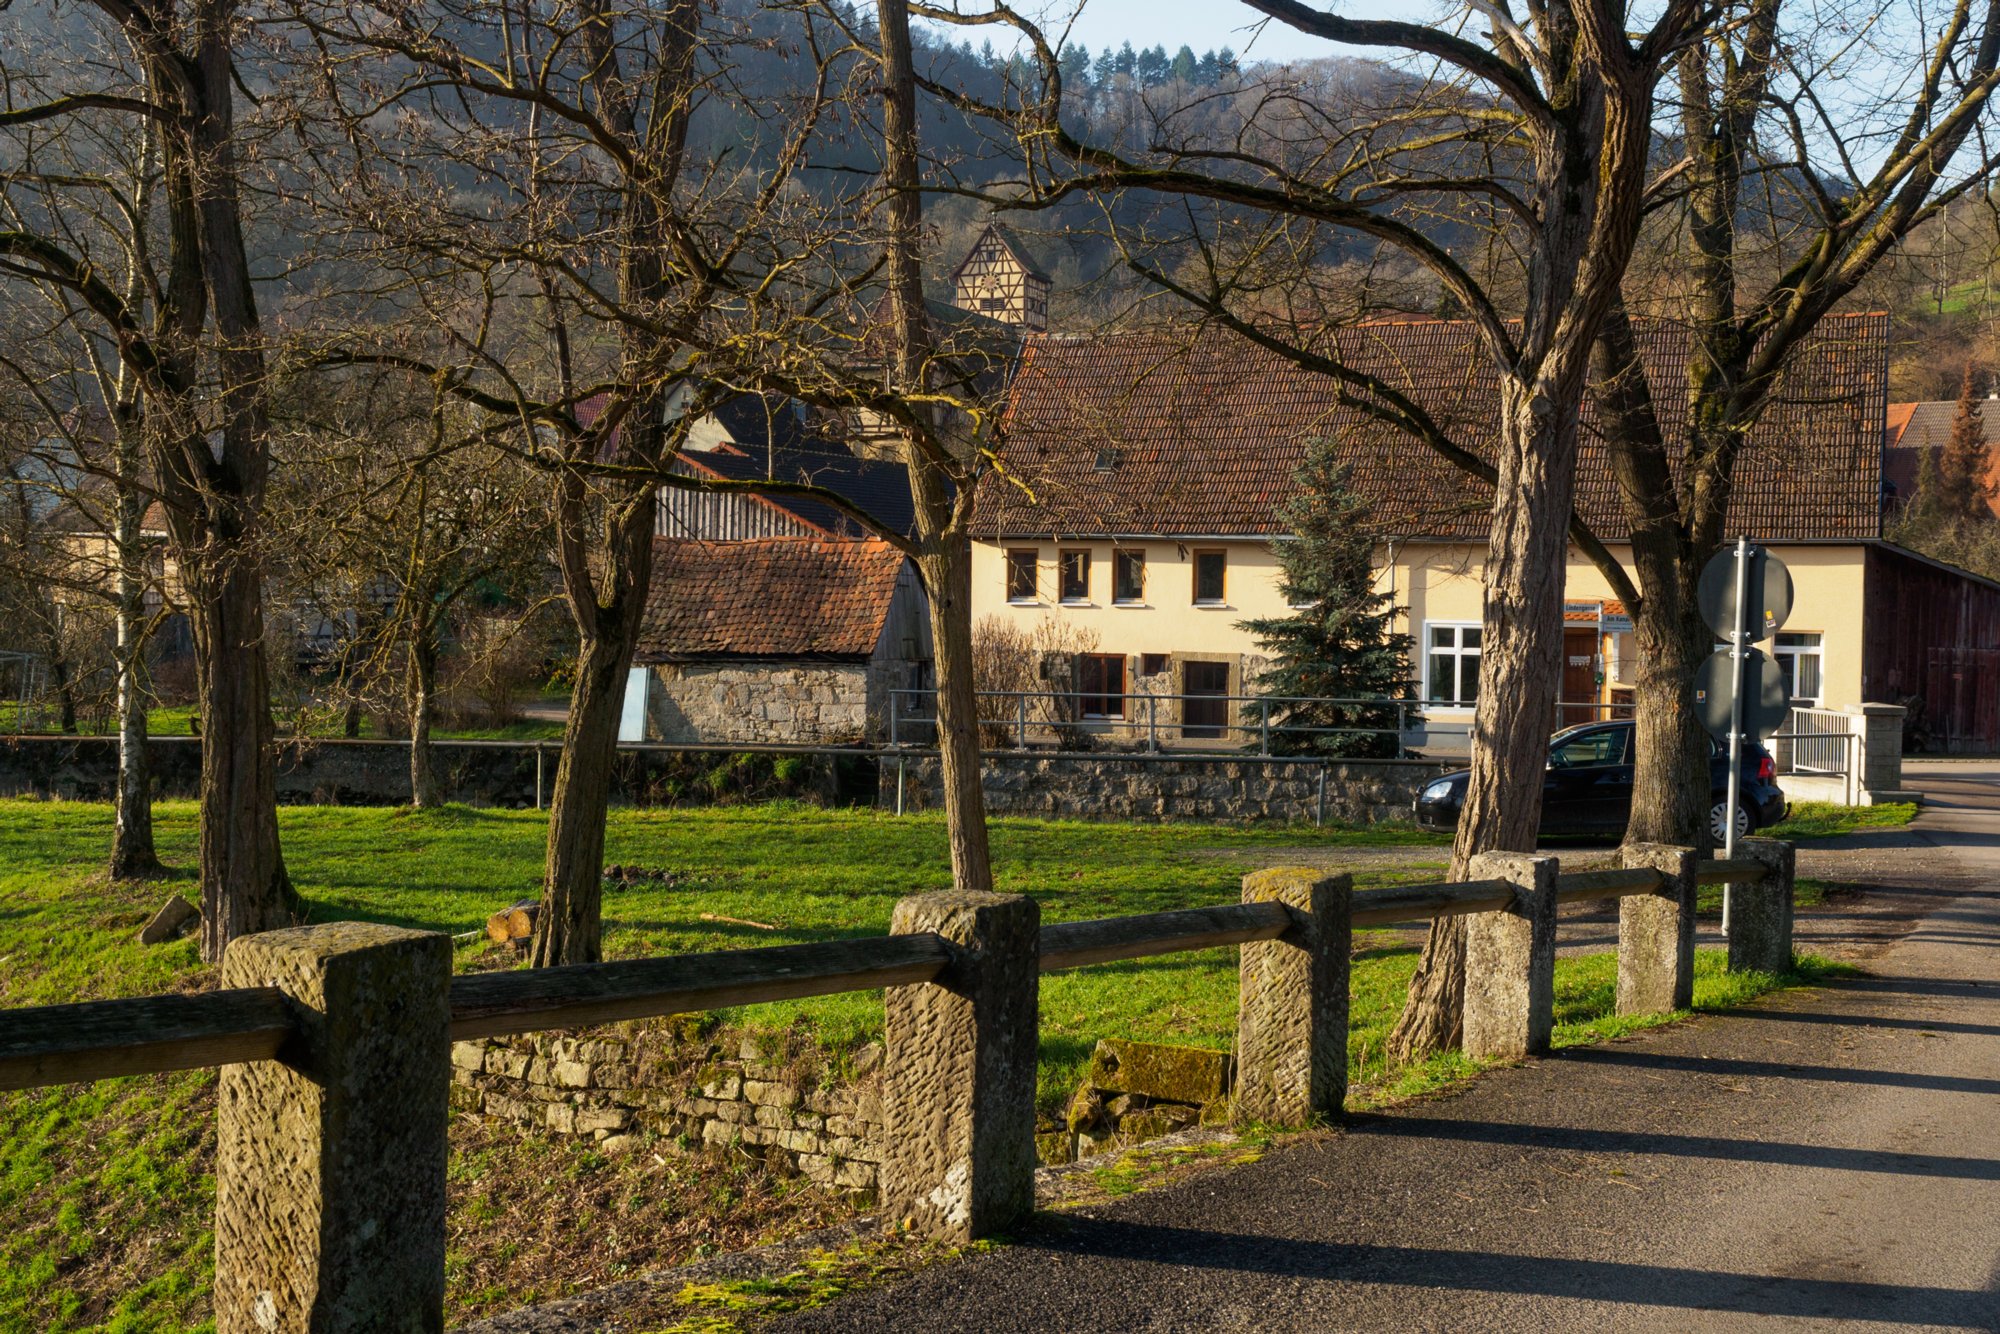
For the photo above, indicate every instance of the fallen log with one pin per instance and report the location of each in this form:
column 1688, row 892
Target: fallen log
column 515, row 922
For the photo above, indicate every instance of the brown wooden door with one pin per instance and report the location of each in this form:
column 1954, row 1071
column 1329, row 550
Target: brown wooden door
column 1579, row 678
column 1205, row 711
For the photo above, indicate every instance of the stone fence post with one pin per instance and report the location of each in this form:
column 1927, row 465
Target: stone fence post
column 1656, row 933
column 1760, row 915
column 1291, row 1020
column 330, row 1162
column 1510, row 961
column 958, row 1082
column 1875, row 761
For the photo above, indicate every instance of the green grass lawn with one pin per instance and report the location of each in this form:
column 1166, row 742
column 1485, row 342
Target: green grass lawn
column 1823, row 819
column 135, row 1222
column 178, row 720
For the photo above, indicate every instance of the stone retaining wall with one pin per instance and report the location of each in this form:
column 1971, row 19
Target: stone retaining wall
column 1227, row 788
column 377, row 773
column 755, row 1094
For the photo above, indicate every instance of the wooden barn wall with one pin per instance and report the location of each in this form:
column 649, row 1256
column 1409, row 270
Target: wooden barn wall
column 1935, row 634
column 722, row 517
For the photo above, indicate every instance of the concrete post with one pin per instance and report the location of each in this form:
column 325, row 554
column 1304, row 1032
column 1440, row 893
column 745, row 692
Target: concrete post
column 958, row 1093
column 1291, row 1020
column 1875, row 756
column 330, row 1164
column 1656, row 933
column 1760, row 915
column 1510, row 961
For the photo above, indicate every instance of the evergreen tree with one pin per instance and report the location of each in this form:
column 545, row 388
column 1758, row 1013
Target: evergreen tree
column 1152, row 66
column 1225, row 63
column 1106, row 67
column 1964, row 469
column 1127, row 61
column 1184, row 64
column 1075, row 66
column 1340, row 641
column 1207, row 70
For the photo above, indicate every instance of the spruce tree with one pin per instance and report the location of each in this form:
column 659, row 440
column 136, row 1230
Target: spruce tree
column 1340, row 641
column 1964, row 466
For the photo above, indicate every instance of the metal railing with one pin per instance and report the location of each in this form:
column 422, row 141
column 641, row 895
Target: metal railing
column 1197, row 723
column 1815, row 741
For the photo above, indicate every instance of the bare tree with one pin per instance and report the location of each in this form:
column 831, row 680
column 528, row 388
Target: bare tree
column 1768, row 223
column 195, row 348
column 1534, row 131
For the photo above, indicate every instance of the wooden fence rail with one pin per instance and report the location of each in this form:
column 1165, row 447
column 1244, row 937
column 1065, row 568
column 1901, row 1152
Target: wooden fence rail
column 321, row 1030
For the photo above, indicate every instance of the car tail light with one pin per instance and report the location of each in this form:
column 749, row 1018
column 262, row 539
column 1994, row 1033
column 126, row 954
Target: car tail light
column 1767, row 769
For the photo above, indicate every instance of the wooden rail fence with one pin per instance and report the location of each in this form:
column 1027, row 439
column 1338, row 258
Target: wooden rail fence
column 334, row 1044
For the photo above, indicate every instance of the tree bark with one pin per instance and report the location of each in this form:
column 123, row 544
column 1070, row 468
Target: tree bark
column 1519, row 671
column 132, row 850
column 944, row 552
column 570, row 928
column 422, row 681
column 244, row 888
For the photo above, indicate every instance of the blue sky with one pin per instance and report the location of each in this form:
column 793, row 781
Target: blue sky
column 1200, row 24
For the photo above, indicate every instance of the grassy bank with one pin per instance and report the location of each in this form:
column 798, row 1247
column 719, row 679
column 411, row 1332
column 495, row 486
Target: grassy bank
column 108, row 1186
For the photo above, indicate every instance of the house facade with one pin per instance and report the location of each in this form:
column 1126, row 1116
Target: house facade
column 1148, row 472
column 780, row 639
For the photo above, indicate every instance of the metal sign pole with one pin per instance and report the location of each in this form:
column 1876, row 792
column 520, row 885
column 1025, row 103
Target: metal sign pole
column 1739, row 646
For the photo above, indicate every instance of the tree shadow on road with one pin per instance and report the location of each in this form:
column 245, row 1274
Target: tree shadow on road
column 1527, row 1275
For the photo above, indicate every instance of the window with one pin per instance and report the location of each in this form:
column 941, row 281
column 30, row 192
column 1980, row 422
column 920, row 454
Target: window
column 1208, row 568
column 1128, row 576
column 1606, row 746
column 1153, row 664
column 1799, row 659
column 993, row 303
column 1107, row 460
column 1021, row 576
column 1451, row 673
column 1100, row 680
column 1074, row 576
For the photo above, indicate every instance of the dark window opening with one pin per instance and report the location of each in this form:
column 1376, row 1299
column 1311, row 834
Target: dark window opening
column 1208, row 581
column 1101, row 683
column 1020, row 576
column 1153, row 664
column 1128, row 576
column 1074, row 585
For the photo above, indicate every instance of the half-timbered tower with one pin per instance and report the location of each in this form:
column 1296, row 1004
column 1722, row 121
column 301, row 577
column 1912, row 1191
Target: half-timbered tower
column 999, row 281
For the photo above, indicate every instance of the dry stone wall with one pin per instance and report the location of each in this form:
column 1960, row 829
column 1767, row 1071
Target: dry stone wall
column 759, row 1094
column 755, row 703
column 1126, row 787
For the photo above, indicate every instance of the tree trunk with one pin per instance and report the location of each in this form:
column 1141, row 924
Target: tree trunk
column 944, row 553
column 947, row 572
column 244, row 888
column 423, row 693
column 1519, row 670
column 132, row 850
column 570, row 928
column 1670, row 749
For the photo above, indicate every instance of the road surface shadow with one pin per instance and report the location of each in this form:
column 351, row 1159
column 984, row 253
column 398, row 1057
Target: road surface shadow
column 1532, row 1275
column 1566, row 1138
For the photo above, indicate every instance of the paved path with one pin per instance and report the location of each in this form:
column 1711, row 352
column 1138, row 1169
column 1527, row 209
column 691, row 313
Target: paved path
column 1827, row 1161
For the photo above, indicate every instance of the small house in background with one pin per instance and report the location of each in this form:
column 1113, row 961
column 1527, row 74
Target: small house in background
column 1918, row 432
column 998, row 279
column 777, row 639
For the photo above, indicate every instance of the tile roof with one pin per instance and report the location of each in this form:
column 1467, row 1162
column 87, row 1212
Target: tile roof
column 774, row 597
column 1917, row 429
column 1197, row 432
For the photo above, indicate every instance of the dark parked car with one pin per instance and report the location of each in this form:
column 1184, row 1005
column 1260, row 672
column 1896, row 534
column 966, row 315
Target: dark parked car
column 1589, row 786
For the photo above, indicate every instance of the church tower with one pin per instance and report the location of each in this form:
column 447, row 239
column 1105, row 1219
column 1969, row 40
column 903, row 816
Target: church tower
column 999, row 281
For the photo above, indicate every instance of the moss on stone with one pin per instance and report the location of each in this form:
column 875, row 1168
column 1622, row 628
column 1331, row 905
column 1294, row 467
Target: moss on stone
column 1158, row 1071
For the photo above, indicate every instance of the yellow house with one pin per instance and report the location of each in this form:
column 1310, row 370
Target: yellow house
column 1146, row 472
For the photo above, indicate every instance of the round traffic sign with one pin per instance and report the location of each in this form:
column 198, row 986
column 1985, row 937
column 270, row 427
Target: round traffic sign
column 1770, row 585
column 1767, row 701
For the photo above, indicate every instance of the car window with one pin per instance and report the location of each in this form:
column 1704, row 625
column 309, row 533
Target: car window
column 1588, row 748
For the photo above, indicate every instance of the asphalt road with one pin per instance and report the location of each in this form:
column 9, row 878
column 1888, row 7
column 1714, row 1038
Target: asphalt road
column 1830, row 1160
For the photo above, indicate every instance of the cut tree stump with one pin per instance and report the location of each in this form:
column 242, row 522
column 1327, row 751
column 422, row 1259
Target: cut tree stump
column 513, row 923
column 173, row 918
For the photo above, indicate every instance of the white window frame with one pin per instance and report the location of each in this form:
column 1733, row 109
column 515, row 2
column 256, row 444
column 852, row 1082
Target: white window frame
column 1458, row 651
column 1783, row 652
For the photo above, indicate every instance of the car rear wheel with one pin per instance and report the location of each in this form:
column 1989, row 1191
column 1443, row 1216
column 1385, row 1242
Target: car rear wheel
column 1718, row 820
